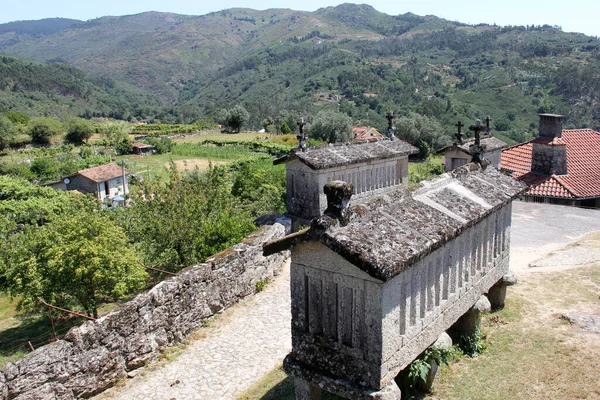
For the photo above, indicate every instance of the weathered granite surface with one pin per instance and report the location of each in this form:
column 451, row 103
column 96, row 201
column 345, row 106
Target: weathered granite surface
column 92, row 357
column 351, row 153
column 407, row 228
column 488, row 143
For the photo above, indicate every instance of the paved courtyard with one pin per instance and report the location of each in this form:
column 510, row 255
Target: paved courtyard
column 253, row 337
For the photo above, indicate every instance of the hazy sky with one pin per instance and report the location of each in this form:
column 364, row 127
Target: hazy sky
column 574, row 16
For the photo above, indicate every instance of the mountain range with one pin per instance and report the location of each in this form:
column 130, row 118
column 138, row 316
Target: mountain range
column 350, row 58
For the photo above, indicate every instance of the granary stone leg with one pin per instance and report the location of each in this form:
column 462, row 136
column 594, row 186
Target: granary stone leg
column 390, row 392
column 306, row 390
column 468, row 323
column 497, row 293
column 444, row 342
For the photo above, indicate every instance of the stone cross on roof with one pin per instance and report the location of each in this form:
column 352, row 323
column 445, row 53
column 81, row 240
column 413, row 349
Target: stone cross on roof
column 476, row 149
column 391, row 129
column 459, row 134
column 487, row 125
column 301, row 137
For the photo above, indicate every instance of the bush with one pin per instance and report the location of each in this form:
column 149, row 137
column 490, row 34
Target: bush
column 7, row 132
column 162, row 144
column 41, row 130
column 331, row 127
column 79, row 130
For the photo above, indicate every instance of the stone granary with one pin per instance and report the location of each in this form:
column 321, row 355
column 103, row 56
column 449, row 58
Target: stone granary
column 372, row 168
column 458, row 155
column 373, row 285
column 462, row 152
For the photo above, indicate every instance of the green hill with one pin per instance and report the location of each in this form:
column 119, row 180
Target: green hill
column 59, row 89
column 350, row 57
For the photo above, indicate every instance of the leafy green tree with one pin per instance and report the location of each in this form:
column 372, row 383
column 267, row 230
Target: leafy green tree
column 114, row 131
column 17, row 117
column 79, row 130
column 7, row 132
column 423, row 132
column 234, row 118
column 45, row 168
column 184, row 220
column 284, row 128
column 162, row 145
column 267, row 124
column 82, row 259
column 25, row 203
column 43, row 129
column 260, row 185
column 331, row 127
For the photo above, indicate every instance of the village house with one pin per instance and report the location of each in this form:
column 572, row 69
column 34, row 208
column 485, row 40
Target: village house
column 562, row 166
column 105, row 181
column 365, row 133
column 373, row 285
column 142, row 149
column 458, row 155
column 372, row 167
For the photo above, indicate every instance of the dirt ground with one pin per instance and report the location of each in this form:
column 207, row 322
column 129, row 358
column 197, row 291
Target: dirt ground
column 188, row 165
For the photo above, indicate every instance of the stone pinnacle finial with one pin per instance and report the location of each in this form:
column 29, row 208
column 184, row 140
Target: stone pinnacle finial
column 301, row 137
column 338, row 196
column 391, row 129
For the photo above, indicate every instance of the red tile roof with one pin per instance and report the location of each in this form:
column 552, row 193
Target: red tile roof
column 583, row 165
column 103, row 172
column 365, row 133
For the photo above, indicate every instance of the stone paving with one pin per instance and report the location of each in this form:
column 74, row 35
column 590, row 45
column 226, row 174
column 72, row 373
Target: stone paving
column 238, row 349
column 253, row 337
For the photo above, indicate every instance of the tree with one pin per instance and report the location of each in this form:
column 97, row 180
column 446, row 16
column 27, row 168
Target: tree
column 425, row 133
column 184, row 220
column 162, row 144
column 284, row 128
column 7, row 132
column 234, row 118
column 267, row 124
column 78, row 130
column 81, row 260
column 331, row 127
column 17, row 117
column 41, row 130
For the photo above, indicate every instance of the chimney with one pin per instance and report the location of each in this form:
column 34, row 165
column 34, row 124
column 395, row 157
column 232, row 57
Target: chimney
column 549, row 154
column 551, row 125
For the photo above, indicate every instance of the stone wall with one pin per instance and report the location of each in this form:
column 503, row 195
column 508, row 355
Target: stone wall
column 94, row 356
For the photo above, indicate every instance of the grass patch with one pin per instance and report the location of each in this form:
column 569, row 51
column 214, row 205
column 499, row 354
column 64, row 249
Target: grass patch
column 242, row 136
column 276, row 385
column 422, row 170
column 16, row 330
column 531, row 352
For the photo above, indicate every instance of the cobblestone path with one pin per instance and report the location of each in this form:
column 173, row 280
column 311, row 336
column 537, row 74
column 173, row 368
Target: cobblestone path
column 237, row 349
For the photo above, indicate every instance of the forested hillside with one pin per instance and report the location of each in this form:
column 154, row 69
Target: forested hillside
column 60, row 89
column 349, row 58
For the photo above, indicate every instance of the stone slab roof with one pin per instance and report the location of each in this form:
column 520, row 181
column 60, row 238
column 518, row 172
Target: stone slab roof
column 345, row 154
column 103, row 172
column 583, row 165
column 389, row 233
column 489, row 143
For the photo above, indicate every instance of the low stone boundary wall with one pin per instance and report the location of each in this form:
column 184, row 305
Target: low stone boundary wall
column 94, row 356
